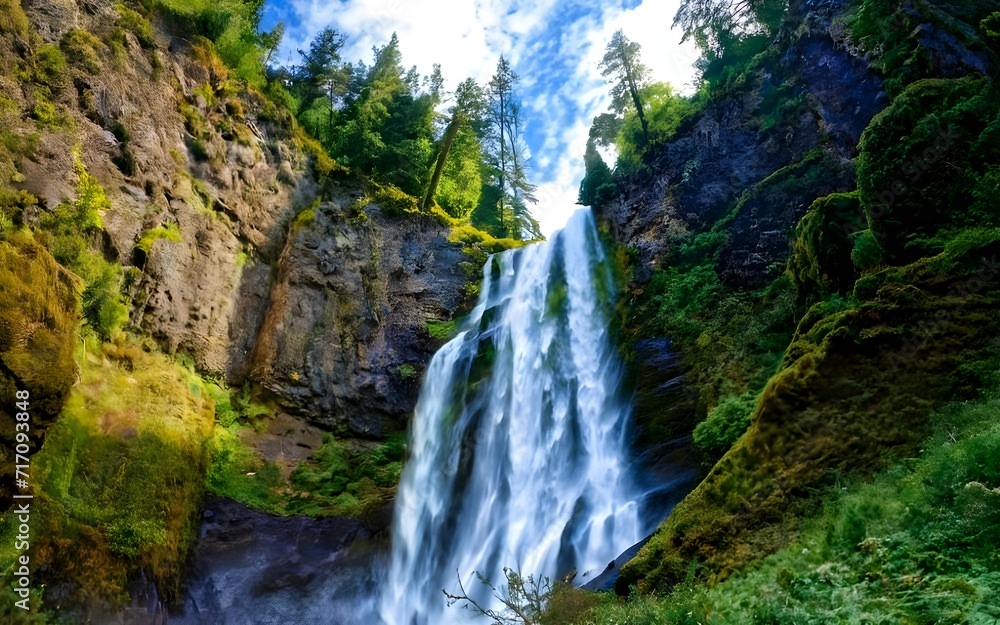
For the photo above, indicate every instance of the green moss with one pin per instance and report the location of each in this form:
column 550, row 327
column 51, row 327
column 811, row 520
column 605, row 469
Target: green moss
column 50, row 116
column 135, row 23
column 170, row 232
column 13, row 21
column 854, row 384
column 929, row 152
column 81, row 50
column 442, row 330
column 39, row 315
column 821, row 261
column 394, row 201
column 913, row 545
column 305, row 217
column 193, row 121
column 119, row 477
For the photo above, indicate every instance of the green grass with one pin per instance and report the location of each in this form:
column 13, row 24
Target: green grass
column 170, row 232
column 120, row 476
column 342, row 478
column 917, row 544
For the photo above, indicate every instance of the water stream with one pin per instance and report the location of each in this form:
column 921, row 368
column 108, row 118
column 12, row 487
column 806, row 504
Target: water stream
column 520, row 440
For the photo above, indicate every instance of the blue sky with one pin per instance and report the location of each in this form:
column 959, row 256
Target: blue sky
column 554, row 46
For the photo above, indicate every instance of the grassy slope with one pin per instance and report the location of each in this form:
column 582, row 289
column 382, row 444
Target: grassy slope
column 889, row 324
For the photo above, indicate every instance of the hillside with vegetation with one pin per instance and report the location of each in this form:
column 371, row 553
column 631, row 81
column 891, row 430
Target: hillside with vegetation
column 223, row 278
column 171, row 302
column 832, row 299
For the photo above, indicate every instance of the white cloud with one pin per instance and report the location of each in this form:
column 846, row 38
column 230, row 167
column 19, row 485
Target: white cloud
column 555, row 46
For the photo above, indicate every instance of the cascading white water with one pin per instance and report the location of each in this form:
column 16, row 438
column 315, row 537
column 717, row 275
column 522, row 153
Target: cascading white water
column 518, row 448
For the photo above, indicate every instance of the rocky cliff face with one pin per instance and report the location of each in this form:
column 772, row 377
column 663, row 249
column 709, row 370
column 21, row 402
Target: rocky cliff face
column 723, row 160
column 867, row 362
column 344, row 340
column 204, row 184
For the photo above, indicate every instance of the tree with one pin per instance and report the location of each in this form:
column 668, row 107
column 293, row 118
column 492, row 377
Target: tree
column 501, row 94
column 523, row 598
column 507, row 154
column 597, row 176
column 321, row 73
column 716, row 24
column 469, row 107
column 621, row 64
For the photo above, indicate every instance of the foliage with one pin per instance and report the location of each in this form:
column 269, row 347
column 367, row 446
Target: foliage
column 821, row 261
column 233, row 28
column 39, row 315
column 341, row 478
column 68, row 230
column 621, row 66
column 889, row 35
column 523, row 598
column 49, row 67
column 394, row 201
column 120, row 475
column 597, row 187
column 506, row 159
column 716, row 25
column 13, row 20
column 665, row 111
column 913, row 545
column 134, row 22
column 859, row 378
column 81, row 50
column 724, row 424
column 925, row 154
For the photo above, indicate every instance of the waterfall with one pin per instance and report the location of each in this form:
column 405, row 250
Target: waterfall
column 519, row 443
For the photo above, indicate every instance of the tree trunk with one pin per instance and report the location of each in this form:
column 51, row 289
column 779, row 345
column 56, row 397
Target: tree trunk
column 449, row 137
column 634, row 91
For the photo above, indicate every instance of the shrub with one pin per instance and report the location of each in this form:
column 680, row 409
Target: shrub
column 80, row 48
column 135, row 23
column 49, row 67
column 725, row 424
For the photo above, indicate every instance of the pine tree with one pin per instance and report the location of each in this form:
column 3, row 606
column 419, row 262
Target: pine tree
column 622, row 65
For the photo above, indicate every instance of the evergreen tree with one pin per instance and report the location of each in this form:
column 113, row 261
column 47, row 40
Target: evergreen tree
column 467, row 111
column 621, row 64
column 507, row 155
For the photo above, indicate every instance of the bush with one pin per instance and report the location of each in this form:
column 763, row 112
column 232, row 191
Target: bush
column 81, row 50
column 725, row 424
column 138, row 25
column 49, row 67
column 104, row 307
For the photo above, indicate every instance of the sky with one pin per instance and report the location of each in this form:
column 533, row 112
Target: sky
column 554, row 46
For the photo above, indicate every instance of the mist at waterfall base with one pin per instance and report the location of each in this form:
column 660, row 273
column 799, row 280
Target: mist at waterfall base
column 519, row 452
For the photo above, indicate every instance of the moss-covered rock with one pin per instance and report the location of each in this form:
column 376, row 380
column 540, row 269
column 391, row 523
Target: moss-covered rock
column 923, row 159
column 39, row 316
column 821, row 261
column 854, row 390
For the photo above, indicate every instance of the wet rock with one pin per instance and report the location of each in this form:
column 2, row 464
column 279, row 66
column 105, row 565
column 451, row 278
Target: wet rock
column 345, row 338
column 254, row 568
